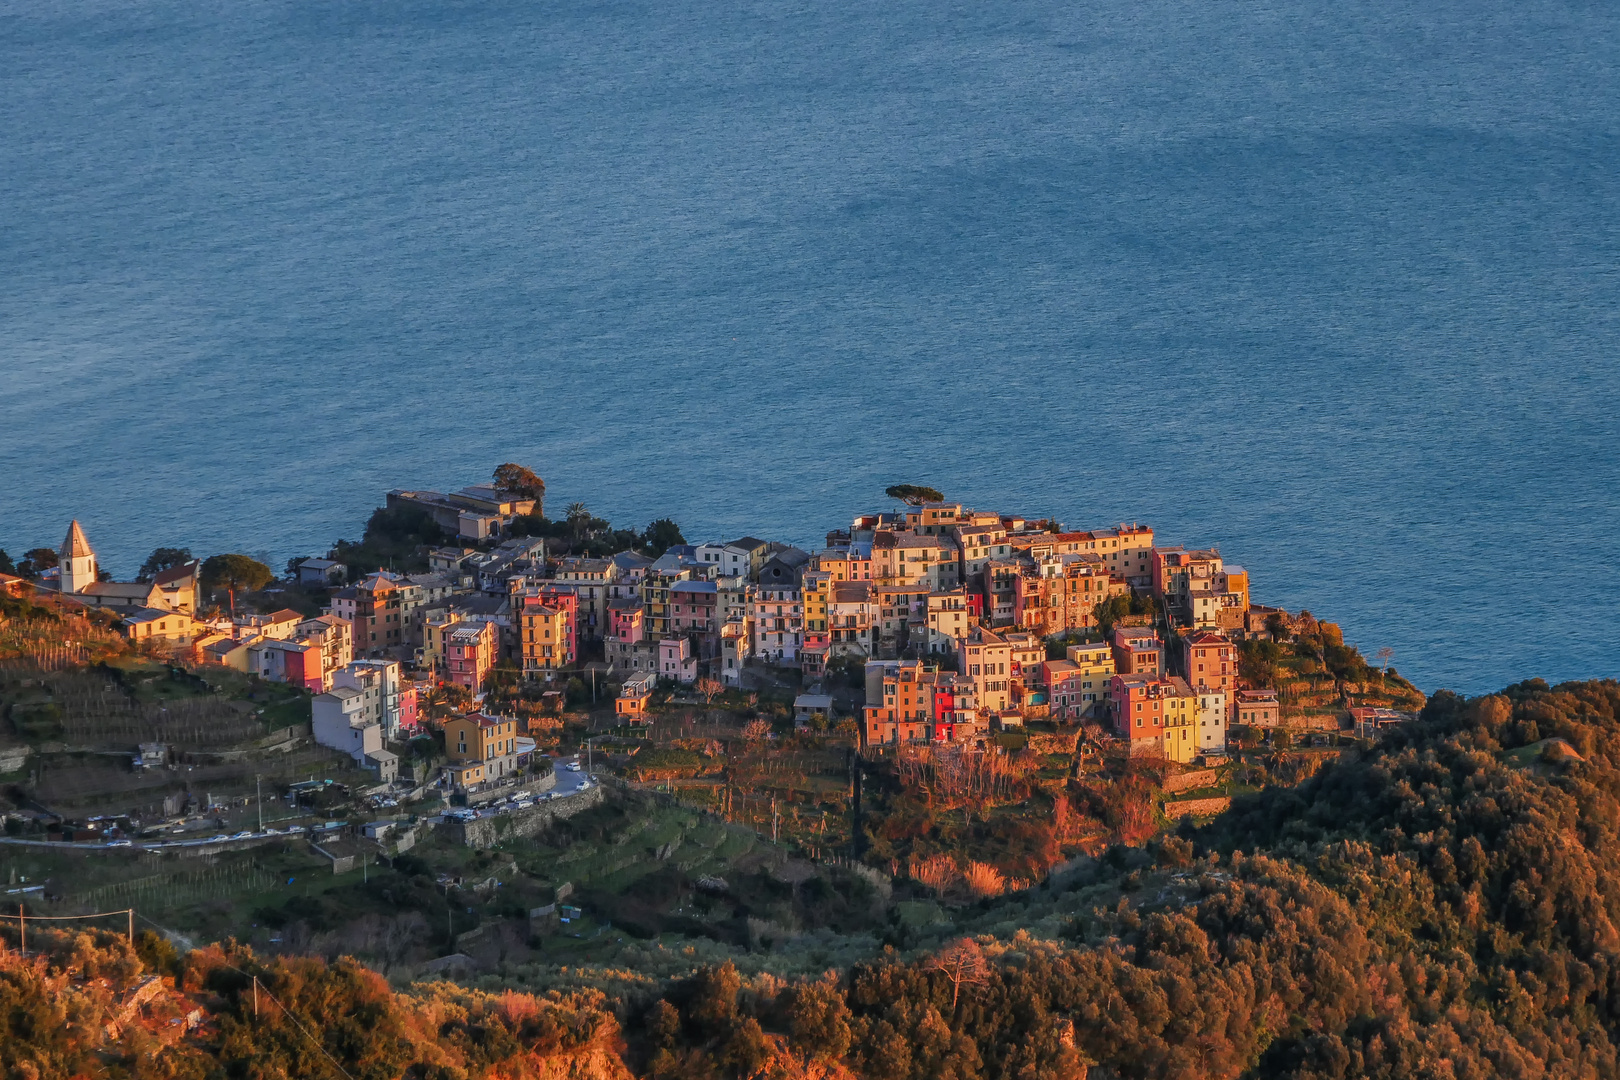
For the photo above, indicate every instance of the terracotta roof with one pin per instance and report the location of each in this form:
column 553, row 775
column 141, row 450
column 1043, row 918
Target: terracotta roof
column 851, row 592
column 133, row 590
column 75, row 546
column 177, row 573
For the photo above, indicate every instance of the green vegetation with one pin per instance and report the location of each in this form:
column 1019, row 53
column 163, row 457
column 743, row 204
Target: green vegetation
column 517, row 480
column 914, row 494
column 1441, row 904
column 1315, row 672
column 37, row 560
column 1113, row 609
column 396, row 538
column 234, row 574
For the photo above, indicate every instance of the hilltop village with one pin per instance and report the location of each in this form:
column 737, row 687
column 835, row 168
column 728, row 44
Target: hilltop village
column 545, row 755
column 932, row 624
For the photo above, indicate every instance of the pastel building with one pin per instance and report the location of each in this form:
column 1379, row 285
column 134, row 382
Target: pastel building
column 630, row 706
column 546, row 628
column 1138, row 651
column 676, row 661
column 469, row 653
column 487, row 742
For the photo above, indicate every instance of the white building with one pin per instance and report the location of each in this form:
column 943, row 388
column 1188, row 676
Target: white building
column 735, row 643
column 379, row 684
column 1211, row 720
column 778, row 624
column 339, row 722
column 738, row 558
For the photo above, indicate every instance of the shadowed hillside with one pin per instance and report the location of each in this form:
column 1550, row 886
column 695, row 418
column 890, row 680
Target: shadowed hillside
column 1445, row 904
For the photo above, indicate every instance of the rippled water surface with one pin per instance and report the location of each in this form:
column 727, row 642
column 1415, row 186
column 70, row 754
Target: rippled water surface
column 1332, row 286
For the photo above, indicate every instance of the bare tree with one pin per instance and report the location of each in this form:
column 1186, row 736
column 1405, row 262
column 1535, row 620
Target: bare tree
column 1385, row 655
column 963, row 963
column 710, row 689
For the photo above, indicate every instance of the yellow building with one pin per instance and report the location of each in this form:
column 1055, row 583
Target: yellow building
column 910, row 559
column 476, row 737
column 816, row 586
column 467, row 773
column 1180, row 722
column 158, row 625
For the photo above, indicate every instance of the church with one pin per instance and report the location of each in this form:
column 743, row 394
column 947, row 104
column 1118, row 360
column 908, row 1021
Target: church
column 79, row 576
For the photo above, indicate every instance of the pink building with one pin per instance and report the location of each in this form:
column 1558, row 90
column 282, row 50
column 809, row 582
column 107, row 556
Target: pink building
column 469, row 653
column 675, row 660
column 625, row 621
column 410, row 720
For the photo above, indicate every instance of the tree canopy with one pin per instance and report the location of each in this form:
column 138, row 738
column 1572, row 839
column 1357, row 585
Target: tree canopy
column 36, row 561
column 914, row 494
column 661, row 535
column 395, row 538
column 235, row 573
column 1113, row 609
column 164, row 558
column 517, row 480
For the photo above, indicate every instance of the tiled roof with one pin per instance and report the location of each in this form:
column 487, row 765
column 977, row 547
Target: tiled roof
column 75, row 546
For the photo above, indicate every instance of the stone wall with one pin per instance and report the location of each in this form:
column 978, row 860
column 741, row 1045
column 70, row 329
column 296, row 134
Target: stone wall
column 1190, row 780
column 487, row 832
column 1196, row 807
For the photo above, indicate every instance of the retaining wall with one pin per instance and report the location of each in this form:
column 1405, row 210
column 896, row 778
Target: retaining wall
column 1196, row 807
column 534, row 785
column 487, row 832
column 1188, row 781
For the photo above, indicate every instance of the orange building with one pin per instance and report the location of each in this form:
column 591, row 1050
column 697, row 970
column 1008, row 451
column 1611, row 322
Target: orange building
column 546, row 628
column 1137, row 651
column 630, row 706
column 904, row 705
column 375, row 613
column 1059, row 593
column 1211, row 661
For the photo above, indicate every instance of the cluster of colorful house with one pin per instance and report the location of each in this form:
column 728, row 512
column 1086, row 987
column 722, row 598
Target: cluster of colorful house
column 955, row 615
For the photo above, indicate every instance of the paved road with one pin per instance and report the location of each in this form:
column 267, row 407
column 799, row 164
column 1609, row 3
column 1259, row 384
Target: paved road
column 240, row 838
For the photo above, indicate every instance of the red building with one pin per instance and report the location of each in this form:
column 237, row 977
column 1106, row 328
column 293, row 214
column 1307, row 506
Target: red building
column 1139, row 710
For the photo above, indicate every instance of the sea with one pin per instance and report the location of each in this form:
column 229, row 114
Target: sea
column 1331, row 286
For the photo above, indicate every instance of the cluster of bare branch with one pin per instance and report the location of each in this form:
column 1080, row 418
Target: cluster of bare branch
column 960, row 776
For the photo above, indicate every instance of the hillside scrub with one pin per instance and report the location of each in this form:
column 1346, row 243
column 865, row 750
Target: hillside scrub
column 1443, row 904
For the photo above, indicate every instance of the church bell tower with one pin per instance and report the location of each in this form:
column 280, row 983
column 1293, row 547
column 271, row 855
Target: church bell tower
column 77, row 561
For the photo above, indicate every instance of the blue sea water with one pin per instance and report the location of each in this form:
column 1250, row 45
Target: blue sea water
column 1331, row 285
